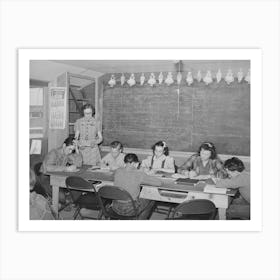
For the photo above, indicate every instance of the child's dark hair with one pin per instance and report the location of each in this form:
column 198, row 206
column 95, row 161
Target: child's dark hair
column 234, row 164
column 69, row 141
column 116, row 144
column 130, row 158
column 209, row 147
column 88, row 106
column 162, row 144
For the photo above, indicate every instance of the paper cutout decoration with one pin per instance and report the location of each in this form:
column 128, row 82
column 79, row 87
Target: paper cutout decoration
column 152, row 80
column 179, row 78
column 131, row 80
column 122, row 79
column 208, row 78
column 160, row 78
column 169, row 79
column 219, row 76
column 240, row 76
column 229, row 77
column 198, row 76
column 189, row 78
column 36, row 147
column 248, row 77
column 112, row 81
column 142, row 79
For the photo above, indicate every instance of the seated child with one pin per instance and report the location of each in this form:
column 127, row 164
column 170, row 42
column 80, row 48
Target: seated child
column 114, row 159
column 130, row 178
column 66, row 158
column 160, row 160
column 39, row 206
column 205, row 163
column 238, row 178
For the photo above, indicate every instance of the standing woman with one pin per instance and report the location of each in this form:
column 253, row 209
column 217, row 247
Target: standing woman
column 88, row 134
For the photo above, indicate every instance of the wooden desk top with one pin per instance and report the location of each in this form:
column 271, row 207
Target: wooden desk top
column 167, row 183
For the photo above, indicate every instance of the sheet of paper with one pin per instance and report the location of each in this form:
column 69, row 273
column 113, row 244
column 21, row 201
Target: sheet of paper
column 177, row 176
column 212, row 189
column 36, row 147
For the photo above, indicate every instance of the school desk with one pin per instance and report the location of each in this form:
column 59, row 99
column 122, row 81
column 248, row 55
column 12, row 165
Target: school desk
column 168, row 192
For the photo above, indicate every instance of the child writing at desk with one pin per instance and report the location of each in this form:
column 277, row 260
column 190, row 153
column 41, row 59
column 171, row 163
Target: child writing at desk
column 114, row 159
column 130, row 178
column 238, row 179
column 159, row 161
column 64, row 159
column 204, row 164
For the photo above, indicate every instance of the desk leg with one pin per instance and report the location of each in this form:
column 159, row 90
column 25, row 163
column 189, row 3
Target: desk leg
column 55, row 199
column 222, row 213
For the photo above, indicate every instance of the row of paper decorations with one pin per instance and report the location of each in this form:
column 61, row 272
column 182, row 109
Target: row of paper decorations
column 169, row 80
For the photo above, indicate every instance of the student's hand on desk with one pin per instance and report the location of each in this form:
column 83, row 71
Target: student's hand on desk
column 150, row 172
column 215, row 179
column 71, row 168
column 185, row 173
column 192, row 174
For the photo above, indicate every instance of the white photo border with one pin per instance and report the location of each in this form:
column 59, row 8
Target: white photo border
column 24, row 58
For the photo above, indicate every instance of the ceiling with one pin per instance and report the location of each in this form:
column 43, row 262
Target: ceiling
column 123, row 66
column 138, row 66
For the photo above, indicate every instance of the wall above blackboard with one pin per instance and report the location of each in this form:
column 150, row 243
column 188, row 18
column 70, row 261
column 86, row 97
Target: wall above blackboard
column 139, row 116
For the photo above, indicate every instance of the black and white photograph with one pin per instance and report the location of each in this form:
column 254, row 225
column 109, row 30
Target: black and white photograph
column 146, row 139
column 171, row 138
column 139, row 139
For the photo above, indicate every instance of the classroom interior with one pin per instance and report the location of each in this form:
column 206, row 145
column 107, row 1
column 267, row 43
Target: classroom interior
column 138, row 103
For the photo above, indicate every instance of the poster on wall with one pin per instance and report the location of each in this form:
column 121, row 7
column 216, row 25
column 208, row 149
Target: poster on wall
column 57, row 107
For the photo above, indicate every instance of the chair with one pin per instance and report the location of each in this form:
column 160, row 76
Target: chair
column 197, row 209
column 117, row 193
column 90, row 200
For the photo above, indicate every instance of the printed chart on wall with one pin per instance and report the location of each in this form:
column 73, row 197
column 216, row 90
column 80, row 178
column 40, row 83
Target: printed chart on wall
column 57, row 108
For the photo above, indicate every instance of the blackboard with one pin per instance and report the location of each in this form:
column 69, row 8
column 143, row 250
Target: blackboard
column 139, row 116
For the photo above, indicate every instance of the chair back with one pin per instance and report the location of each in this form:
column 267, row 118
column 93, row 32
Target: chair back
column 197, row 209
column 78, row 183
column 116, row 193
